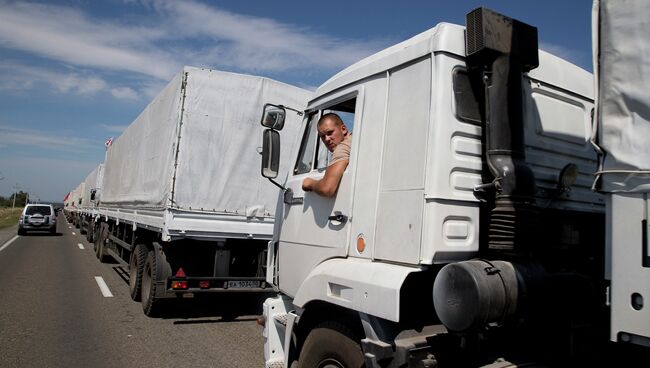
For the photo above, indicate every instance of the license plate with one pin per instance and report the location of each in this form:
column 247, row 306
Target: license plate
column 243, row 284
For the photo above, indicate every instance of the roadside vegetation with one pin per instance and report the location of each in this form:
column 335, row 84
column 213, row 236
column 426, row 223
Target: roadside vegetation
column 8, row 217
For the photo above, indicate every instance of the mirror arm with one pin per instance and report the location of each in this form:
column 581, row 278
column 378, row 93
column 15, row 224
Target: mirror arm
column 277, row 184
column 300, row 113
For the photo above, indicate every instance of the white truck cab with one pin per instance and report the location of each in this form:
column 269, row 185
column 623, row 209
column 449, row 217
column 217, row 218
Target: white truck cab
column 485, row 169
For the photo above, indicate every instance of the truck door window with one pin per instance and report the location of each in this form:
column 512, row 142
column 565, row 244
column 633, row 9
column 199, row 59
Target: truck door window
column 307, row 146
column 311, row 147
column 345, row 110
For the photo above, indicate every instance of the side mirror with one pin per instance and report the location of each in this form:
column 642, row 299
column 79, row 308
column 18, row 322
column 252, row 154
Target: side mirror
column 273, row 117
column 270, row 153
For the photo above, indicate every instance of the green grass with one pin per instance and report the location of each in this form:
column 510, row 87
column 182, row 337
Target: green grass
column 9, row 218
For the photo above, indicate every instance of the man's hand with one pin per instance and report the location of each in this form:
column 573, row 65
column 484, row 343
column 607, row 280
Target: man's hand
column 329, row 184
column 308, row 184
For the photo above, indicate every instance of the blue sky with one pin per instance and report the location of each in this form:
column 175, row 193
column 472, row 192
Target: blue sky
column 74, row 73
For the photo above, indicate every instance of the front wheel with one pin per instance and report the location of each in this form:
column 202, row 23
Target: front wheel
column 331, row 345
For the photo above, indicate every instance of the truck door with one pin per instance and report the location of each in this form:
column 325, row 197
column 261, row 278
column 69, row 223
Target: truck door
column 315, row 228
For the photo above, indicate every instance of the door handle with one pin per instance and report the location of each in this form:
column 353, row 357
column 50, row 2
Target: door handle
column 290, row 199
column 338, row 217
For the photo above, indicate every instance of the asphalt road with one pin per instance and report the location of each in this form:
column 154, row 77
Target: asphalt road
column 53, row 314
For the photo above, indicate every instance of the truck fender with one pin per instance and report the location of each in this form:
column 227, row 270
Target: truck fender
column 357, row 284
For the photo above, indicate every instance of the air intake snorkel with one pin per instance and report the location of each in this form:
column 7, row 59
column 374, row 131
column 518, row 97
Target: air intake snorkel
column 500, row 49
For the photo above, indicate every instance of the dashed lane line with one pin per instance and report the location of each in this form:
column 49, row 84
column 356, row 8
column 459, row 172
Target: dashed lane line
column 8, row 243
column 81, row 246
column 106, row 292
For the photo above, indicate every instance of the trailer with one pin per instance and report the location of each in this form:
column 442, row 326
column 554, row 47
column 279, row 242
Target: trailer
column 87, row 213
column 465, row 231
column 622, row 129
column 75, row 199
column 183, row 207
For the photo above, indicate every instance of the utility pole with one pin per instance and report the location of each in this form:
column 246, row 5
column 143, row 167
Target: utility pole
column 13, row 204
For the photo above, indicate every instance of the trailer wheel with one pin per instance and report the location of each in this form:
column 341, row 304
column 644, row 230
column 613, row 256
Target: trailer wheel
column 155, row 272
column 103, row 235
column 97, row 232
column 90, row 232
column 331, row 344
column 136, row 265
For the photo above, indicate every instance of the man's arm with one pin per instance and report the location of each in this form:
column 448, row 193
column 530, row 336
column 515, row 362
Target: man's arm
column 329, row 184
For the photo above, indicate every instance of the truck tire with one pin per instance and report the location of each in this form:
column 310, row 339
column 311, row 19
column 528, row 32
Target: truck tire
column 90, row 232
column 331, row 344
column 101, row 245
column 136, row 265
column 97, row 232
column 156, row 269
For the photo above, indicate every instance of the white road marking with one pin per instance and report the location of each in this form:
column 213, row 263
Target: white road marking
column 103, row 287
column 81, row 246
column 69, row 227
column 73, row 233
column 7, row 243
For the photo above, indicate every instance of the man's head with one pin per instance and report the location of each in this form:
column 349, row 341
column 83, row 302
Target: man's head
column 331, row 130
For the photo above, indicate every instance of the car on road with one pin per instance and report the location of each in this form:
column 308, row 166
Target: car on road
column 37, row 217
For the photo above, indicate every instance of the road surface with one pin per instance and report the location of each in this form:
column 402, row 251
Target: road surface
column 56, row 312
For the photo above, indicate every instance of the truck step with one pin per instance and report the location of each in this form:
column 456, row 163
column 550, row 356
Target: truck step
column 275, row 364
column 281, row 318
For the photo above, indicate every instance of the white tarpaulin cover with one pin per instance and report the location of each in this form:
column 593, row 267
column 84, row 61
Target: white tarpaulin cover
column 78, row 194
column 93, row 182
column 195, row 146
column 622, row 65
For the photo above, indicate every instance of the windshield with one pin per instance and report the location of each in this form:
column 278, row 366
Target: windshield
column 43, row 210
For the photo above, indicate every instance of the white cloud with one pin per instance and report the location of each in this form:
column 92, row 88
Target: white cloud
column 16, row 77
column 124, row 93
column 68, row 35
column 261, row 43
column 113, row 128
column 176, row 31
column 10, row 136
column 152, row 88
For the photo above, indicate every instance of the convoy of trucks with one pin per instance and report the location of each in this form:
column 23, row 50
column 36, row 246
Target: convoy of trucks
column 179, row 201
column 467, row 229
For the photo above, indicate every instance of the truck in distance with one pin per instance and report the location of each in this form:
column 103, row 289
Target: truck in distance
column 182, row 205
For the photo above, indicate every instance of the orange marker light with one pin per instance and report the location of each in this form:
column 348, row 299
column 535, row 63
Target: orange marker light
column 179, row 285
column 361, row 243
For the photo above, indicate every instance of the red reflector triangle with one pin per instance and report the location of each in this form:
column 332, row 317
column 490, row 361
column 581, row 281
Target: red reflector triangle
column 180, row 272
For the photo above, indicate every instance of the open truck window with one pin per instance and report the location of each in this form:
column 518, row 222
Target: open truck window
column 313, row 153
